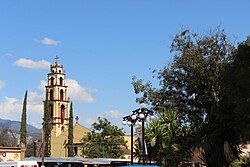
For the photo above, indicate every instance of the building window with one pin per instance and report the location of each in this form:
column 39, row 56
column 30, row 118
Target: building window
column 61, row 81
column 50, row 94
column 61, row 94
column 52, row 81
column 62, row 113
column 60, row 71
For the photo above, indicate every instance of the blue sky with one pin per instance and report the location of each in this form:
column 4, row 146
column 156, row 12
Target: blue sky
column 102, row 44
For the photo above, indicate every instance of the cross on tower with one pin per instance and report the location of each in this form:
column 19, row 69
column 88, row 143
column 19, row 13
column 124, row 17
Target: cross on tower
column 57, row 57
column 77, row 118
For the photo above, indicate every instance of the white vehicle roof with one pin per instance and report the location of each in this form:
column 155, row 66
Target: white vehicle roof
column 19, row 164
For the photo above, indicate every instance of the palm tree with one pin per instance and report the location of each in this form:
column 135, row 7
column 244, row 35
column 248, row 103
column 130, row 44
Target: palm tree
column 164, row 138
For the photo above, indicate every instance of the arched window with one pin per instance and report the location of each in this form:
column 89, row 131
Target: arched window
column 62, row 113
column 52, row 81
column 61, row 81
column 51, row 94
column 51, row 110
column 61, row 94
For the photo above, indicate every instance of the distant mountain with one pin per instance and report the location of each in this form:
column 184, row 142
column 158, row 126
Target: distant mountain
column 15, row 126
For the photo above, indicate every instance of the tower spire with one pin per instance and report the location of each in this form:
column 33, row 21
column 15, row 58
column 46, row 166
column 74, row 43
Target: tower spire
column 57, row 57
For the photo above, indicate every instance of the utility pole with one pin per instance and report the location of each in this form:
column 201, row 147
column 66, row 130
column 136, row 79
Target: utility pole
column 132, row 145
column 143, row 143
column 43, row 146
column 35, row 148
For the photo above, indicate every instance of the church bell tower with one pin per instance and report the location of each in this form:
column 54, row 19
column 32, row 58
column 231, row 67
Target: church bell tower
column 58, row 100
column 57, row 97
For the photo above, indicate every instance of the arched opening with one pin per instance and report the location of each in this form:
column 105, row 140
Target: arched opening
column 61, row 81
column 61, row 94
column 51, row 94
column 52, row 81
column 51, row 110
column 62, row 113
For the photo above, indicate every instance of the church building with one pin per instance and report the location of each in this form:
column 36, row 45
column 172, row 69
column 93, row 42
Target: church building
column 58, row 100
column 59, row 105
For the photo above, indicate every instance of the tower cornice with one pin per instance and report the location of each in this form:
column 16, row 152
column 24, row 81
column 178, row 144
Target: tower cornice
column 56, row 73
column 58, row 86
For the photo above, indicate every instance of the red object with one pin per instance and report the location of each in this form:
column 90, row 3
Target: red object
column 62, row 116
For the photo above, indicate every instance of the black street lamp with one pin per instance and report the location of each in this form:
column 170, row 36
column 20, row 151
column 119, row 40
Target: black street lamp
column 130, row 122
column 139, row 117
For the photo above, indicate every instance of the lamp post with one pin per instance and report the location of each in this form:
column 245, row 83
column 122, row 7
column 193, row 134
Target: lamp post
column 43, row 146
column 130, row 120
column 139, row 115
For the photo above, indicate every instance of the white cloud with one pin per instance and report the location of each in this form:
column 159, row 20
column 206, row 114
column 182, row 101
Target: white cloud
column 42, row 85
column 49, row 41
column 27, row 63
column 11, row 108
column 35, row 124
column 78, row 93
column 7, row 55
column 114, row 114
column 75, row 91
column 1, row 84
column 35, row 102
column 89, row 121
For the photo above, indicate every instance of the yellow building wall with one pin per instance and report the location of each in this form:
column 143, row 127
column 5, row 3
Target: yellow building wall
column 11, row 154
column 59, row 142
column 127, row 138
column 79, row 132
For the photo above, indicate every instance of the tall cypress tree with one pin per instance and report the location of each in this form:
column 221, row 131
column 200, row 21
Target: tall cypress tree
column 23, row 129
column 47, row 127
column 70, row 133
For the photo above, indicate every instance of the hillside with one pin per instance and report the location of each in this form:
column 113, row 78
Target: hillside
column 15, row 127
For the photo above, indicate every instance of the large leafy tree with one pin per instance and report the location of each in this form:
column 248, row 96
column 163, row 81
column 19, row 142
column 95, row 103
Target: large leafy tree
column 70, row 133
column 47, row 127
column 23, row 129
column 236, row 90
column 191, row 85
column 104, row 141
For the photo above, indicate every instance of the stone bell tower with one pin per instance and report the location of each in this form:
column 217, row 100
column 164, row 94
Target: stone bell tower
column 58, row 100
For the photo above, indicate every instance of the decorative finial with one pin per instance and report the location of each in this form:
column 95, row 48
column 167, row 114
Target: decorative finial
column 57, row 57
column 77, row 118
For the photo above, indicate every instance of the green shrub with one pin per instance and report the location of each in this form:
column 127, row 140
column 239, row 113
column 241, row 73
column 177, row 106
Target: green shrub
column 242, row 162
